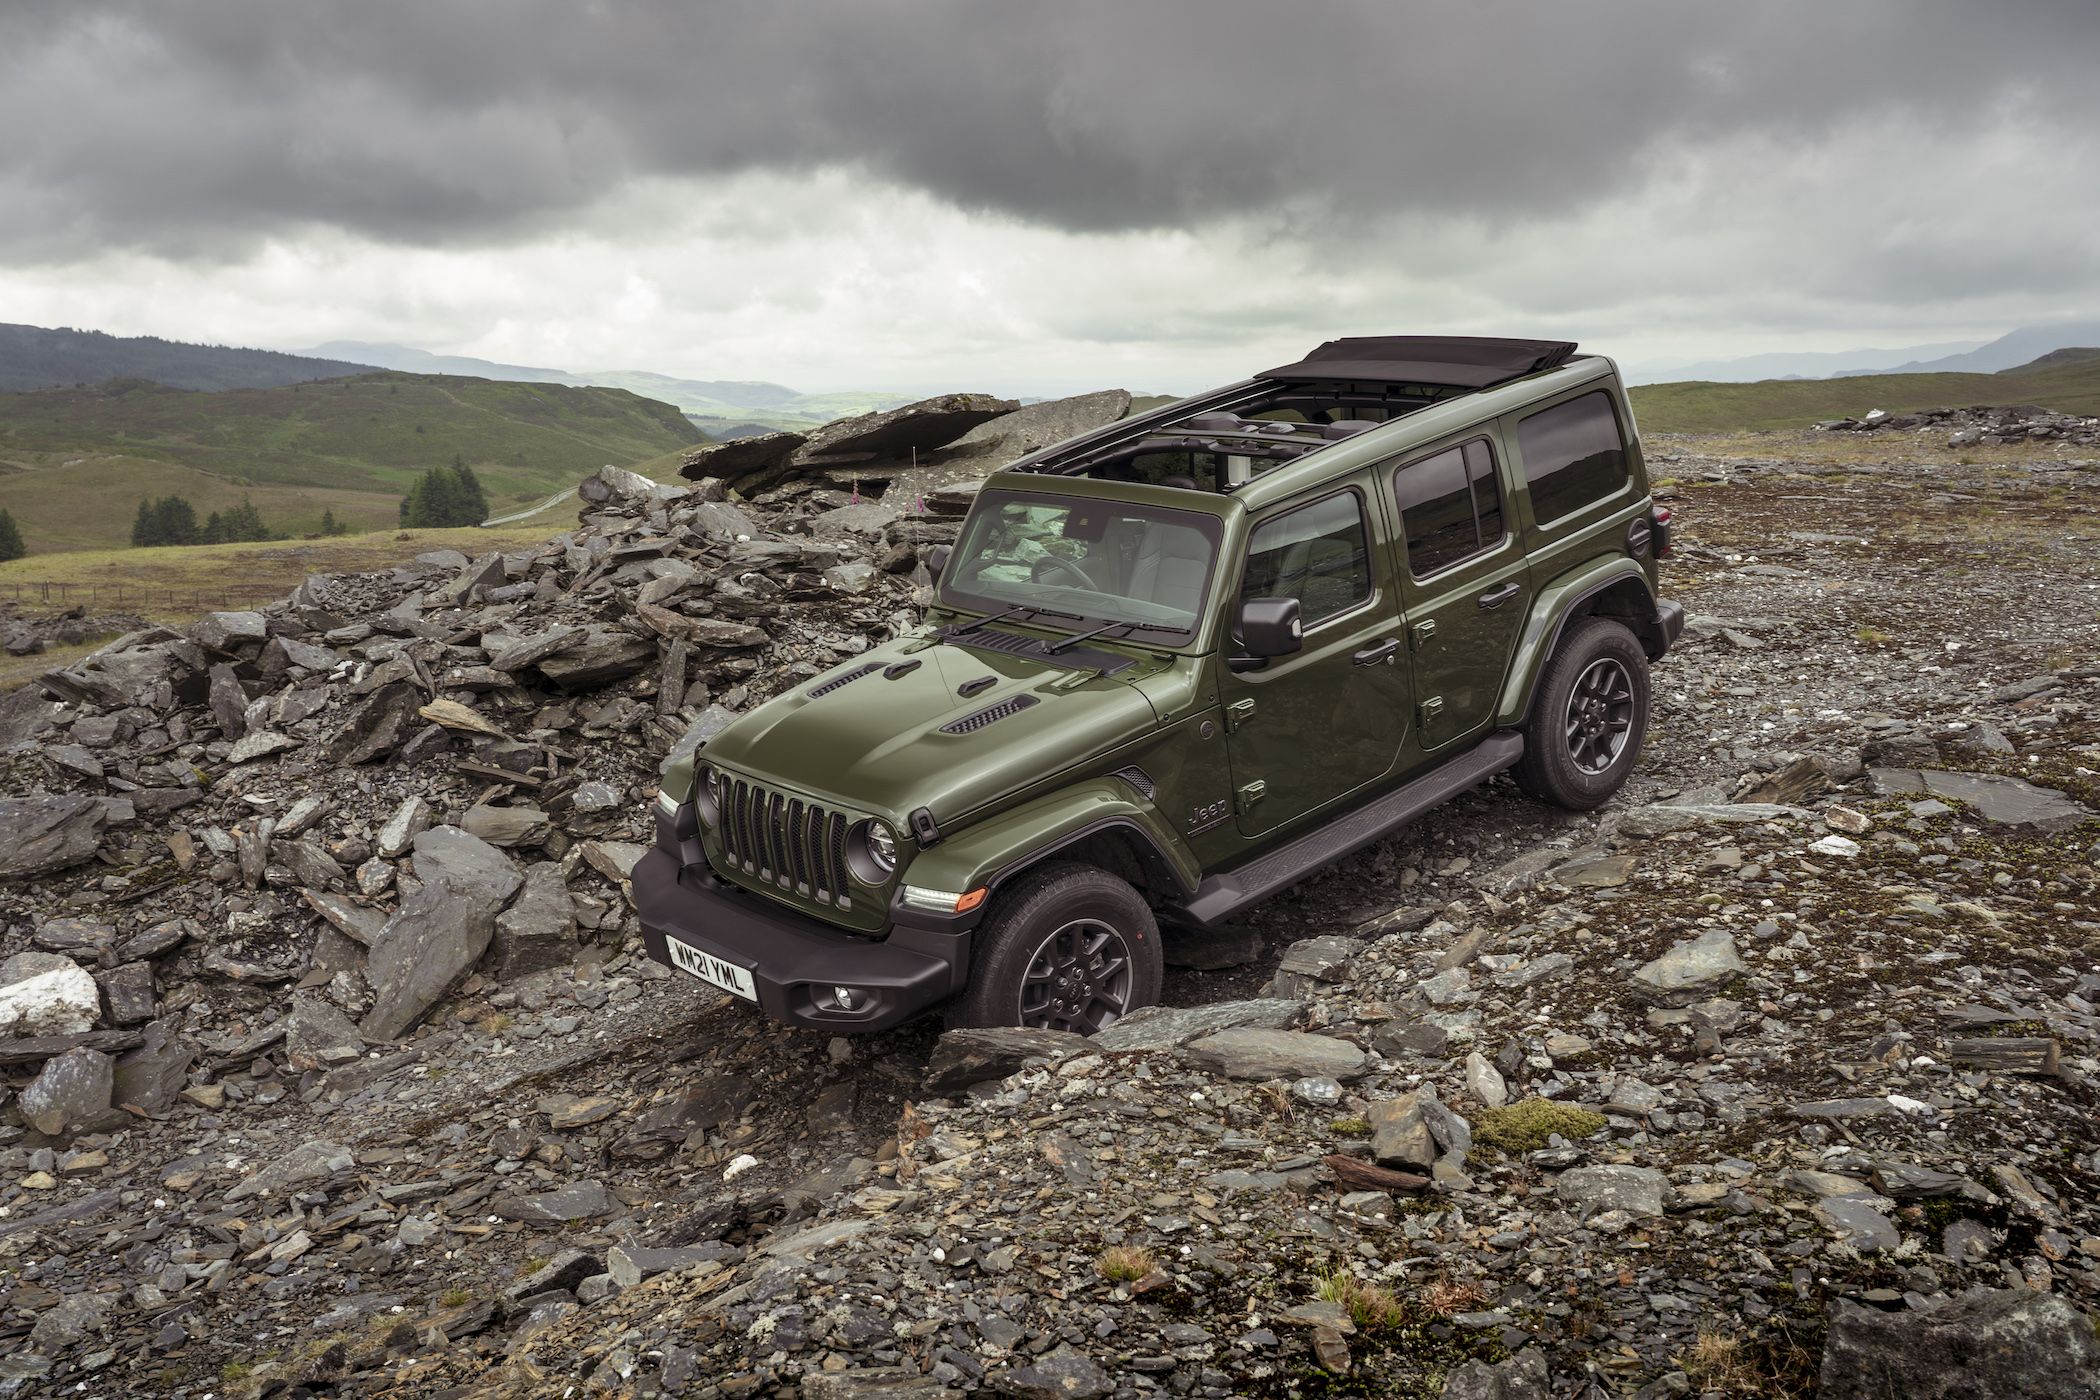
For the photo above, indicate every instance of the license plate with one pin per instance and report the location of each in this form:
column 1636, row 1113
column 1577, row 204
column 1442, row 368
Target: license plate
column 711, row 969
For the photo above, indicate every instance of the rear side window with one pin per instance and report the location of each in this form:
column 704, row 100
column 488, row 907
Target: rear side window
column 1450, row 506
column 1573, row 455
column 1316, row 554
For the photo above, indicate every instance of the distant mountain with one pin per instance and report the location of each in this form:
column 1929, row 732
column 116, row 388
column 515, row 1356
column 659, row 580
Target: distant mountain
column 2009, row 351
column 39, row 357
column 1798, row 364
column 713, row 403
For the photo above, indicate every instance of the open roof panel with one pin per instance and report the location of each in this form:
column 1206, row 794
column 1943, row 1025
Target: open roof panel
column 1450, row 361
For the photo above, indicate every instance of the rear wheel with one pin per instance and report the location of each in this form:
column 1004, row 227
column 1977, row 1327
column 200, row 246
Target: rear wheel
column 1588, row 718
column 1068, row 947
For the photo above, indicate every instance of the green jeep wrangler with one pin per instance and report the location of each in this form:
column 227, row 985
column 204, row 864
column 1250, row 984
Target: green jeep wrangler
column 1174, row 666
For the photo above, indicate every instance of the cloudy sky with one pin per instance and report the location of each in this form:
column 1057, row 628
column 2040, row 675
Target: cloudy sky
column 1039, row 196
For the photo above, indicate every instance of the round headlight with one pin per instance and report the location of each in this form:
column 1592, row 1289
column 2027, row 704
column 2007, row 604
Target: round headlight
column 882, row 847
column 707, row 795
column 871, row 852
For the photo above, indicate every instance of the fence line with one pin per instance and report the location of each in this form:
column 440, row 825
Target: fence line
column 132, row 597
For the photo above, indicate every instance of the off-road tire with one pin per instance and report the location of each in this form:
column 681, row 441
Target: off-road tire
column 1561, row 739
column 1027, row 917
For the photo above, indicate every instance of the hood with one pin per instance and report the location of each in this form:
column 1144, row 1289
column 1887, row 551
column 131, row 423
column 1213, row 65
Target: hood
column 889, row 747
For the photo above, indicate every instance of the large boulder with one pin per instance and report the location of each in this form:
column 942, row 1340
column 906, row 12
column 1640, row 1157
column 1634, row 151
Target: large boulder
column 42, row 834
column 972, row 1056
column 741, row 459
column 45, row 994
column 1247, row 1052
column 2008, row 1344
column 991, row 445
column 538, row 931
column 439, row 931
column 600, row 657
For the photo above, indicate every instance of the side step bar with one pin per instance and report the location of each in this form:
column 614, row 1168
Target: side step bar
column 1221, row 896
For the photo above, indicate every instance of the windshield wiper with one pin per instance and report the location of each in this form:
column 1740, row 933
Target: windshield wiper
column 988, row 619
column 1077, row 637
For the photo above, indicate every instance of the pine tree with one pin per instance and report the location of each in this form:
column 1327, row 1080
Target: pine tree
column 11, row 546
column 174, row 521
column 214, row 531
column 330, row 526
column 445, row 496
column 145, row 527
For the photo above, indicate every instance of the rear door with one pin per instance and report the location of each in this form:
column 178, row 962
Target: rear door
column 1308, row 729
column 1464, row 583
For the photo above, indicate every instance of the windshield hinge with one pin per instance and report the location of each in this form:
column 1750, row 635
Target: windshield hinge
column 1238, row 715
column 1252, row 793
column 1421, row 634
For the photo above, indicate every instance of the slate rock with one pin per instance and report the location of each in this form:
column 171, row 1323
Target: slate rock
column 42, row 834
column 151, row 1076
column 1637, row 1191
column 584, row 1200
column 1685, row 972
column 379, row 726
column 599, row 658
column 538, row 931
column 1998, row 800
column 308, row 1162
column 2007, row 1344
column 230, row 632
column 756, row 456
column 630, row 1264
column 1400, row 1135
column 874, row 1383
column 1520, row 1377
column 70, row 1094
column 318, row 1036
column 1249, row 1053
column 1065, row 1374
column 977, row 1054
column 1169, row 1027
column 507, row 826
column 70, row 1320
column 1661, row 818
column 1857, row 1223
column 439, row 931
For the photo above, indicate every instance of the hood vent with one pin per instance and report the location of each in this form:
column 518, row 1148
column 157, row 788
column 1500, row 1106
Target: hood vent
column 990, row 714
column 838, row 682
column 1139, row 779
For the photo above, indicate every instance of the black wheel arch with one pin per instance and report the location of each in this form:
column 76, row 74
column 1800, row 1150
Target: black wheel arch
column 1117, row 845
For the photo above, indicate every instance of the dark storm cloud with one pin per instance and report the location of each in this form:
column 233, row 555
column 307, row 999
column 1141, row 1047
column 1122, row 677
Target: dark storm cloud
column 191, row 127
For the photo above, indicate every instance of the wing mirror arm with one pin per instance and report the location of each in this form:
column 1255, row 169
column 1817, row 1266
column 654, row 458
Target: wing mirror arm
column 1264, row 628
column 936, row 561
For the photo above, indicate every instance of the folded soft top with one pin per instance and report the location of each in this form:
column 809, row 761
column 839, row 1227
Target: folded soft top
column 1453, row 361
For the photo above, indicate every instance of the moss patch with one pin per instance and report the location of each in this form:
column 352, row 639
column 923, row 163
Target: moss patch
column 1525, row 1125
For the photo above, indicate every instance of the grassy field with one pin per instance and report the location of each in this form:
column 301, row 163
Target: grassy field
column 2068, row 385
column 166, row 585
column 74, row 463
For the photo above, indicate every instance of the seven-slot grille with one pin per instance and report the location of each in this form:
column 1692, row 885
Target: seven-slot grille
column 785, row 841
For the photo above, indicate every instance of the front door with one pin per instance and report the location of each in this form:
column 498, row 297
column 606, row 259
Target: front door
column 1307, row 729
column 1464, row 582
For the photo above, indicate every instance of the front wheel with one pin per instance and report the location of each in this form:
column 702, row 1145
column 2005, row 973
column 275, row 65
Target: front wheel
column 1069, row 948
column 1588, row 719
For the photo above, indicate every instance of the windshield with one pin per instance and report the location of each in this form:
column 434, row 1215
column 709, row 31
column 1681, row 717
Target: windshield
column 1107, row 561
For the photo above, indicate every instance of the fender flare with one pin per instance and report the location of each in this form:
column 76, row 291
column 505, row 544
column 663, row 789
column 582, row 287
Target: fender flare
column 993, row 852
column 1556, row 604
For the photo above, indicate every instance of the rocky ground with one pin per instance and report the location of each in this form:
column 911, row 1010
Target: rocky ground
column 335, row 1068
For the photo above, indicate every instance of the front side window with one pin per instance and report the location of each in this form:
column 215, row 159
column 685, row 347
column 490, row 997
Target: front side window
column 1316, row 554
column 1099, row 560
column 1573, row 456
column 1450, row 507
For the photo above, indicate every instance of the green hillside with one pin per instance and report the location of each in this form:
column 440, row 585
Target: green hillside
column 43, row 357
column 2067, row 381
column 75, row 462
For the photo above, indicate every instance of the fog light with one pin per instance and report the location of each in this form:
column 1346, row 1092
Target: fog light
column 842, row 997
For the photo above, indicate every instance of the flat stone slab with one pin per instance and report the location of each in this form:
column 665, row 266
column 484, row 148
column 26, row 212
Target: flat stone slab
column 1637, row 1191
column 1662, row 818
column 586, row 1200
column 2010, row 1343
column 1998, row 800
column 972, row 1056
column 1247, row 1053
column 1170, row 1027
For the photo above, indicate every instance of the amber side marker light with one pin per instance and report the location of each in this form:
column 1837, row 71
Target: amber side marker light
column 969, row 900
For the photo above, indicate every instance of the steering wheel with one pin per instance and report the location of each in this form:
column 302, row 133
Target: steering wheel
column 1051, row 563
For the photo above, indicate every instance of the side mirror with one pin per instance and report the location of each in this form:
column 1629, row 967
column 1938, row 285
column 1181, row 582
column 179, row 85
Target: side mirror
column 937, row 560
column 1266, row 627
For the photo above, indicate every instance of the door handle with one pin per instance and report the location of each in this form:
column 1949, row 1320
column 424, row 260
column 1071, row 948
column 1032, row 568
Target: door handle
column 1495, row 598
column 1377, row 652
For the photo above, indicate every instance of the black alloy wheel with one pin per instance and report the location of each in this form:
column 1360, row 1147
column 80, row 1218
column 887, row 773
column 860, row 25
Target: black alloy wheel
column 1600, row 715
column 1079, row 979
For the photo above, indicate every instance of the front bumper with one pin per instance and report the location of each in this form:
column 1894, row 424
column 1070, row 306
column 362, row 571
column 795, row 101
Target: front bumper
column 796, row 961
